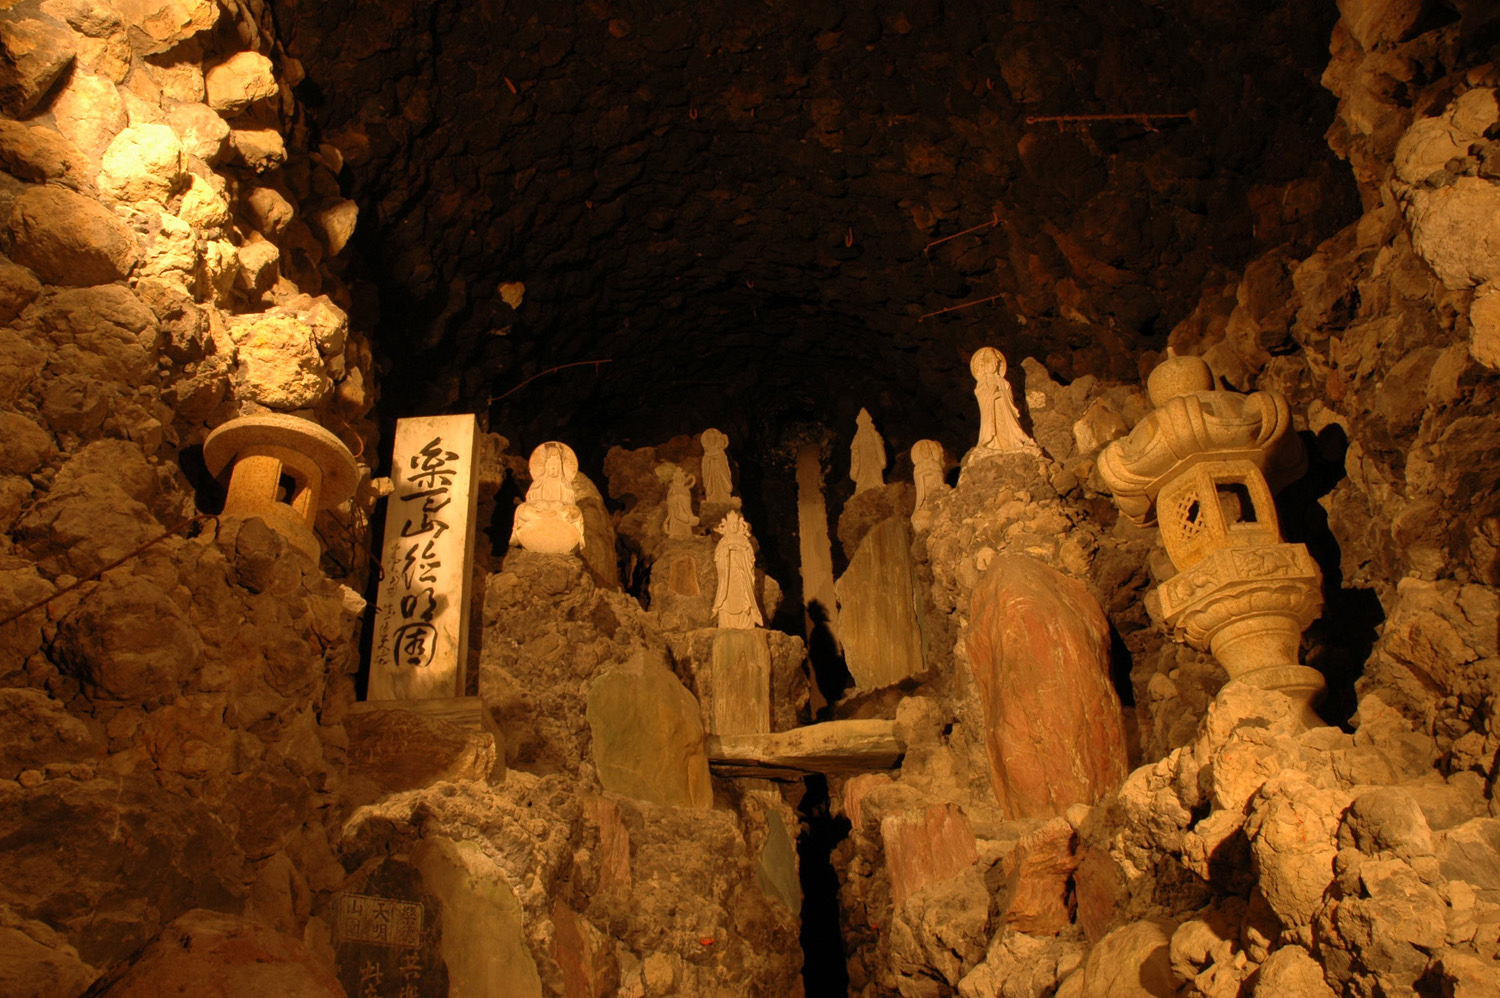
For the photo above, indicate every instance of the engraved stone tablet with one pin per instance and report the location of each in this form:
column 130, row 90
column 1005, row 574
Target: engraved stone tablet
column 422, row 616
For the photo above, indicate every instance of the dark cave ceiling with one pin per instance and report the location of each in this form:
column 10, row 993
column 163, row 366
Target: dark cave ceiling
column 733, row 203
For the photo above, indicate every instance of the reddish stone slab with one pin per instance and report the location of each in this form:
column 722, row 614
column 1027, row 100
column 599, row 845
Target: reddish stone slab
column 926, row 846
column 1038, row 645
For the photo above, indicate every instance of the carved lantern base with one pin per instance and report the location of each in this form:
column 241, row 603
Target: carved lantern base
column 1249, row 606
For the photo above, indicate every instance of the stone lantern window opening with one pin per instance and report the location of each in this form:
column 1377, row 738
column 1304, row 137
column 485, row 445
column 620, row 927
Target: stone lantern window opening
column 1216, row 505
column 282, row 469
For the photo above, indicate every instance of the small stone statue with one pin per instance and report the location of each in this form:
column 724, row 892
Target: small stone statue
column 927, row 470
column 999, row 422
column 866, row 455
column 549, row 521
column 734, row 557
column 680, row 520
column 717, row 484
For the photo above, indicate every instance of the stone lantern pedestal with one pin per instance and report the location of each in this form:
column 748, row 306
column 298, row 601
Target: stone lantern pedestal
column 283, row 469
column 1203, row 466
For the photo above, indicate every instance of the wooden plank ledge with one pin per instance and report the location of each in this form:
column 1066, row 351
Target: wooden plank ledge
column 830, row 747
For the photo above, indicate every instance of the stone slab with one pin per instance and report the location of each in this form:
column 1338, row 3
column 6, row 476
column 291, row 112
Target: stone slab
column 1038, row 645
column 925, row 846
column 399, row 745
column 647, row 735
column 739, row 692
column 880, row 620
column 830, row 747
column 421, row 638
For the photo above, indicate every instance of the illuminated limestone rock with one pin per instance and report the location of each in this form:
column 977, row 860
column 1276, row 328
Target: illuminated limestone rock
column 549, row 521
column 1204, row 465
column 999, row 422
column 866, row 455
column 282, row 469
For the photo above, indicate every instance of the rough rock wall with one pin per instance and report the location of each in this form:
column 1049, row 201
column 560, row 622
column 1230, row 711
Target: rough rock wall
column 172, row 722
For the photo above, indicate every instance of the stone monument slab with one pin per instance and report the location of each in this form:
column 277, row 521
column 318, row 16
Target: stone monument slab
column 422, row 615
column 739, row 692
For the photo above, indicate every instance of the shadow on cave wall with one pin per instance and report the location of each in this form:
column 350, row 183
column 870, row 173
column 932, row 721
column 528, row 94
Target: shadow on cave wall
column 1340, row 641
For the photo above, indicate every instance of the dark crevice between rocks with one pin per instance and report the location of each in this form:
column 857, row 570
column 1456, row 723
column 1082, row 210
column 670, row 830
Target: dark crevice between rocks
column 826, row 661
column 1339, row 642
column 824, row 973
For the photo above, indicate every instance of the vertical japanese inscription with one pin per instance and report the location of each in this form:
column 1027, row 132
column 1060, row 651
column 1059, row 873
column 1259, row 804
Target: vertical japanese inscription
column 422, row 615
column 420, row 506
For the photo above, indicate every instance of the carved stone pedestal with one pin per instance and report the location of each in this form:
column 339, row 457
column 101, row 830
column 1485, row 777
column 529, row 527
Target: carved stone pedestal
column 1204, row 465
column 1249, row 606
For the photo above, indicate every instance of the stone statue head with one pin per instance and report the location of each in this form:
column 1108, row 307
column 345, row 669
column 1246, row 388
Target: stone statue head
column 987, row 360
column 555, row 460
column 713, row 440
column 926, row 452
column 733, row 525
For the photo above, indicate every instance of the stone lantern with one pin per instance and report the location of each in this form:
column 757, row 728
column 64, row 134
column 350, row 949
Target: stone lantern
column 283, row 469
column 1204, row 466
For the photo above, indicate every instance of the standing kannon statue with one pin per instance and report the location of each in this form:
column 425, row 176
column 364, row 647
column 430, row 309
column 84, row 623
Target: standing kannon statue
column 680, row 519
column 549, row 520
column 866, row 455
column 718, row 487
column 999, row 422
column 927, row 470
column 734, row 557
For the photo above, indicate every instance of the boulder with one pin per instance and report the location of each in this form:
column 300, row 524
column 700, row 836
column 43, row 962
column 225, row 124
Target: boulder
column 280, row 366
column 1386, row 820
column 128, row 641
column 34, row 54
column 24, row 446
column 36, row 962
column 39, row 154
column 36, row 730
column 201, row 132
column 69, row 239
column 1484, row 322
column 260, row 149
column 1293, row 832
column 143, row 163
column 396, row 749
column 334, row 222
column 1132, row 962
column 239, row 81
column 1038, row 880
column 213, row 955
column 483, row 926
column 87, row 524
column 1291, row 972
column 109, row 860
column 1371, row 22
column 1456, row 229
column 89, row 112
column 1038, row 645
column 18, row 288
